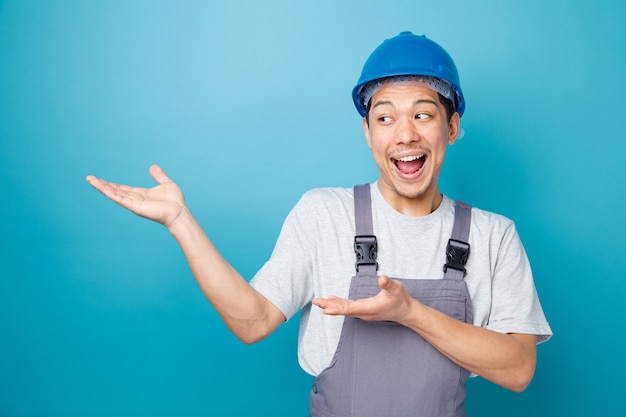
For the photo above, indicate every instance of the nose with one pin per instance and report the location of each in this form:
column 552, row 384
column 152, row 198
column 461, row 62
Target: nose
column 407, row 132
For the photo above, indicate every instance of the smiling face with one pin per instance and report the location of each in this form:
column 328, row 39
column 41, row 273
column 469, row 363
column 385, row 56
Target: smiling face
column 408, row 133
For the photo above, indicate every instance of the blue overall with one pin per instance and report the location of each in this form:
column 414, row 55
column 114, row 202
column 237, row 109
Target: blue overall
column 384, row 369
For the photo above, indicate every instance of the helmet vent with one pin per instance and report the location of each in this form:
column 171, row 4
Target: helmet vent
column 441, row 86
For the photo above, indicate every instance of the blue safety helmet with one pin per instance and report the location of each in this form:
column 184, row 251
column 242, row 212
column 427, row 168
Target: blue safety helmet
column 409, row 54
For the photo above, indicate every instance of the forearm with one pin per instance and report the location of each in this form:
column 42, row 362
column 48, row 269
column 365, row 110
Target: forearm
column 248, row 314
column 505, row 359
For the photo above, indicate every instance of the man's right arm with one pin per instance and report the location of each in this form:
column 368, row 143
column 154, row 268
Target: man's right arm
column 247, row 313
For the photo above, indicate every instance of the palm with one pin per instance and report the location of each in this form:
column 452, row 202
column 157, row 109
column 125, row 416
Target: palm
column 390, row 304
column 161, row 203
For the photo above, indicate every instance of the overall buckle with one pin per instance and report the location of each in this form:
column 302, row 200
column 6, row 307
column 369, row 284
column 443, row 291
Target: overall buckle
column 366, row 250
column 457, row 254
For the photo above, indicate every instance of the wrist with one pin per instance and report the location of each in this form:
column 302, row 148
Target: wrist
column 414, row 312
column 180, row 222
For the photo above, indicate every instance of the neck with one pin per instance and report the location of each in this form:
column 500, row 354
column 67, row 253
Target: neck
column 417, row 206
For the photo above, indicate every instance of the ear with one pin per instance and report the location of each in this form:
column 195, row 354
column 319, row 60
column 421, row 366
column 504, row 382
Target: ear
column 453, row 128
column 366, row 131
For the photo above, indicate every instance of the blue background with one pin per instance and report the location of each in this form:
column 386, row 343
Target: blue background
column 247, row 105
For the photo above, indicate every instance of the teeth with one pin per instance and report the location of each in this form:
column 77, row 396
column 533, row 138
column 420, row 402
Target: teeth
column 410, row 158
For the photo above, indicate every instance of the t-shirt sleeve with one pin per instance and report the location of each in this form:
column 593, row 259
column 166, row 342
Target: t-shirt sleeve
column 285, row 279
column 515, row 304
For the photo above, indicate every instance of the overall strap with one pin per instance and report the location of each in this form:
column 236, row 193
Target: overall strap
column 365, row 245
column 458, row 249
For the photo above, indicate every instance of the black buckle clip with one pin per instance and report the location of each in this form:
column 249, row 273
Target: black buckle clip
column 366, row 250
column 457, row 254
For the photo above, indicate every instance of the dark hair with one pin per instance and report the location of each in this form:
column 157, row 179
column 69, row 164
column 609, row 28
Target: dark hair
column 448, row 105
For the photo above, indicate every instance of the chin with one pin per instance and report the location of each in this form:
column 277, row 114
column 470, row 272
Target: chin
column 410, row 192
column 414, row 195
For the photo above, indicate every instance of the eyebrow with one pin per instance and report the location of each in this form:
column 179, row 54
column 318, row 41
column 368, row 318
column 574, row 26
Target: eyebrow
column 415, row 103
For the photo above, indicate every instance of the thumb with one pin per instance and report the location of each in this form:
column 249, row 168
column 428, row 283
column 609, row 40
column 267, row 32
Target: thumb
column 384, row 282
column 158, row 174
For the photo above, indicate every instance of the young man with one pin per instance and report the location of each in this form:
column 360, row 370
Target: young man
column 438, row 290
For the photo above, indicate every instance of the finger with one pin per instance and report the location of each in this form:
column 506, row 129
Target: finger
column 320, row 302
column 115, row 192
column 158, row 174
column 103, row 185
column 332, row 305
column 96, row 183
column 326, row 302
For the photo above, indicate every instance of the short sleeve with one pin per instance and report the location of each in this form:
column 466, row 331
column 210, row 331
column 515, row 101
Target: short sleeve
column 515, row 304
column 285, row 279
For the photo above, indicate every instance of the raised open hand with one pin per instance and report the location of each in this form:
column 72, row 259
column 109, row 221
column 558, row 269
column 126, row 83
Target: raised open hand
column 162, row 203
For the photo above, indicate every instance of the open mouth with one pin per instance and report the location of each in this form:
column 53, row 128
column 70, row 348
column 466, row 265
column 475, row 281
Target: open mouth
column 410, row 165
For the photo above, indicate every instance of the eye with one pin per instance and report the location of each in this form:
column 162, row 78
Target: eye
column 422, row 116
column 384, row 119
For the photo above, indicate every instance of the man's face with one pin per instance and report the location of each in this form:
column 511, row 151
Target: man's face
column 408, row 134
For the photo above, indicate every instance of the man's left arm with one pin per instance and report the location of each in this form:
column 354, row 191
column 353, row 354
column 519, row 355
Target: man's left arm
column 504, row 359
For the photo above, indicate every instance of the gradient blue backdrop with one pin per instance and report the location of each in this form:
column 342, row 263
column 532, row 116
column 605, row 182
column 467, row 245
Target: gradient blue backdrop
column 247, row 105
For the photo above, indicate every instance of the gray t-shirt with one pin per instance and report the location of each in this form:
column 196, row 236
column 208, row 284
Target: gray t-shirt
column 314, row 257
